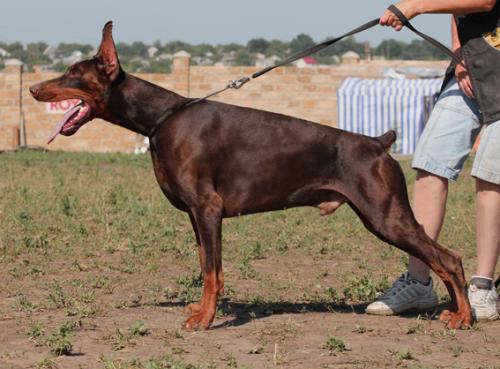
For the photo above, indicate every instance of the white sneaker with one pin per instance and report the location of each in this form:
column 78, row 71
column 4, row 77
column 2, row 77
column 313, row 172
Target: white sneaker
column 405, row 294
column 484, row 301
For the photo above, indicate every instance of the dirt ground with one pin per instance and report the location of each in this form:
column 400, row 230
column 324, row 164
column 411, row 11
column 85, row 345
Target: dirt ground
column 97, row 273
column 249, row 335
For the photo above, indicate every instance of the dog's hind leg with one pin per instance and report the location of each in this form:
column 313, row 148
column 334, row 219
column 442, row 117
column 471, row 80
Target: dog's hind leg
column 207, row 218
column 381, row 202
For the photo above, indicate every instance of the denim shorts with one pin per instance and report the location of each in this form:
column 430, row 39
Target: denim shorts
column 449, row 136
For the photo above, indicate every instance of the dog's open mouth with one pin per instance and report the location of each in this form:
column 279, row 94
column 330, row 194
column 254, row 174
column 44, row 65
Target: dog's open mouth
column 72, row 120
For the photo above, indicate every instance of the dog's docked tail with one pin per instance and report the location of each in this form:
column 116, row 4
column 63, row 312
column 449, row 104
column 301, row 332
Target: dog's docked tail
column 387, row 139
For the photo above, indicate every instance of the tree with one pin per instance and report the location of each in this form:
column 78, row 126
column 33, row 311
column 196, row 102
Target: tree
column 134, row 57
column 390, row 49
column 243, row 57
column 278, row 48
column 258, row 45
column 59, row 67
column 34, row 54
column 341, row 47
column 140, row 48
column 301, row 42
column 420, row 49
column 231, row 47
column 16, row 50
column 202, row 49
column 135, row 49
column 174, row 46
column 68, row 48
column 157, row 44
column 157, row 66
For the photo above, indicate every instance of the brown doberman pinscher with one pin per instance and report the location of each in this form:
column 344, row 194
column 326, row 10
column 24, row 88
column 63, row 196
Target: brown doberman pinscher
column 214, row 160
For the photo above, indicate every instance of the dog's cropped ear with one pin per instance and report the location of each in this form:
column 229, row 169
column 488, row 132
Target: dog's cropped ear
column 107, row 55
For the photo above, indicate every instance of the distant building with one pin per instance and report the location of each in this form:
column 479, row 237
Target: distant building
column 350, row 57
column 42, row 68
column 4, row 53
column 201, row 60
column 164, row 57
column 228, row 58
column 51, row 52
column 75, row 57
column 305, row 62
column 152, row 51
column 262, row 61
column 140, row 61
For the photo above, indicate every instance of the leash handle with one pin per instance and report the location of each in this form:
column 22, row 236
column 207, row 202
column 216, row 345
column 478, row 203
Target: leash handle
column 427, row 38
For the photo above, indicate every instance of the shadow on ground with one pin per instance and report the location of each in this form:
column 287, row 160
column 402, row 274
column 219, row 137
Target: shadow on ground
column 244, row 312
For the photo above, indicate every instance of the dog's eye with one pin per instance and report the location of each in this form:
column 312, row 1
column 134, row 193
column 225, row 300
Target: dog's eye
column 74, row 72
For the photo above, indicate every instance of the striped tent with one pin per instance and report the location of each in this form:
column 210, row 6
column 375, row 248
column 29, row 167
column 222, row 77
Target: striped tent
column 373, row 106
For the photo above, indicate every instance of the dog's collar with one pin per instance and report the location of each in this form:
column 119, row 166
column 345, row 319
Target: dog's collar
column 119, row 78
column 167, row 116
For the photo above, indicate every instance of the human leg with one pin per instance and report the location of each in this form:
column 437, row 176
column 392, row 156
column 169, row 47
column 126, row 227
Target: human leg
column 429, row 205
column 486, row 169
column 441, row 152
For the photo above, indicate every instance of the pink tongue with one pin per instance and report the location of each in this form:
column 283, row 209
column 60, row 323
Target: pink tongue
column 59, row 126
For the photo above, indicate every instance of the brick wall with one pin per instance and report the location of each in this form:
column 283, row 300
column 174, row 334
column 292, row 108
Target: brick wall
column 308, row 93
column 10, row 83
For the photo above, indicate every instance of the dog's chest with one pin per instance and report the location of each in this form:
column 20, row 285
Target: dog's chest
column 166, row 182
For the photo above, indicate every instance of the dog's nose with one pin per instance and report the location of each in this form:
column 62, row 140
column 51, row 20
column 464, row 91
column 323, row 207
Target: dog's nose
column 35, row 90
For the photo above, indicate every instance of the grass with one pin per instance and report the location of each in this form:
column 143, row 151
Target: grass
column 86, row 234
column 165, row 361
column 46, row 363
column 334, row 345
column 63, row 204
column 122, row 340
column 59, row 342
column 401, row 355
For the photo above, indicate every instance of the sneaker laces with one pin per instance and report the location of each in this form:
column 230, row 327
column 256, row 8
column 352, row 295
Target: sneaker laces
column 400, row 284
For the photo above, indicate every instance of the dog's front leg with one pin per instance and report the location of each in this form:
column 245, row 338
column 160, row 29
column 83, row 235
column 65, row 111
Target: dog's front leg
column 207, row 222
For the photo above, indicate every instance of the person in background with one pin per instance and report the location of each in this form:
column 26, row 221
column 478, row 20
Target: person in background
column 469, row 101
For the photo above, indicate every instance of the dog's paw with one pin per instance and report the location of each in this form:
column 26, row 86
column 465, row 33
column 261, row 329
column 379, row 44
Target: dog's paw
column 456, row 320
column 193, row 308
column 199, row 320
column 445, row 316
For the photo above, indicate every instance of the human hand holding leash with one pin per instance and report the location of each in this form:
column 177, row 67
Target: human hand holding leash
column 389, row 19
column 412, row 8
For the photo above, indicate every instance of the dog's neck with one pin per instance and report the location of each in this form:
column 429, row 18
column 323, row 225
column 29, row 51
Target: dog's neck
column 141, row 106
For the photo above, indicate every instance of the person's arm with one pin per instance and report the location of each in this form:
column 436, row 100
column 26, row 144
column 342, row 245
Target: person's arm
column 412, row 8
column 461, row 72
column 455, row 40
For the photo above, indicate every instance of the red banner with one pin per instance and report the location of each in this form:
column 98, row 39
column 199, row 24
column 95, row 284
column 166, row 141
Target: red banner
column 60, row 107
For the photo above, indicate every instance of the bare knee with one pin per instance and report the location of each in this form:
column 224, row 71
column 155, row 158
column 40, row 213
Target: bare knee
column 431, row 181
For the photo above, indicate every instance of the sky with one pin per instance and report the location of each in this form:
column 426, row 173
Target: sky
column 200, row 21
